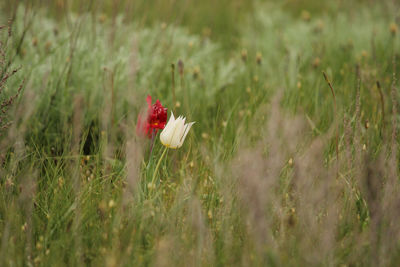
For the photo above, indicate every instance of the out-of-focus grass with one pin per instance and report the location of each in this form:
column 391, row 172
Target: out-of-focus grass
column 219, row 20
column 257, row 181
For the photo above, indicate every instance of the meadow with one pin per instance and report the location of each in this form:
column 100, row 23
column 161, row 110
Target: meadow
column 293, row 159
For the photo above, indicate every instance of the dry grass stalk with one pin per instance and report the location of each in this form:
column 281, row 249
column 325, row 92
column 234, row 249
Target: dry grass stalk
column 382, row 99
column 173, row 86
column 5, row 75
column 336, row 121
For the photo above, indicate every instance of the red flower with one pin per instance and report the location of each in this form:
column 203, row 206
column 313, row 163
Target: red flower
column 155, row 119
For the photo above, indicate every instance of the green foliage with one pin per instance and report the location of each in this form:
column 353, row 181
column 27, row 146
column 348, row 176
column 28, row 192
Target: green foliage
column 257, row 181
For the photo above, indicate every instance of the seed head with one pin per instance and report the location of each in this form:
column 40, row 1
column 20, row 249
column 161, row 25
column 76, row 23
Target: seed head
column 319, row 27
column 210, row 214
column 180, row 67
column 366, row 124
column 206, row 32
column 258, row 58
column 196, row 72
column 316, row 62
column 364, row 53
column 60, row 181
column 305, row 15
column 393, row 28
column 244, row 55
column 102, row 18
column 47, row 46
column 34, row 41
column 111, row 203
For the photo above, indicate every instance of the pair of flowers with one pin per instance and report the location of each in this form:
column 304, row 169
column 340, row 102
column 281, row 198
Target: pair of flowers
column 173, row 133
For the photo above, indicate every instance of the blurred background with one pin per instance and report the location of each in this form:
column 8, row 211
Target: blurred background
column 222, row 20
column 293, row 159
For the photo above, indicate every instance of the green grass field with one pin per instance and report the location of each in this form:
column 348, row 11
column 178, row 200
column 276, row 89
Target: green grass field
column 282, row 167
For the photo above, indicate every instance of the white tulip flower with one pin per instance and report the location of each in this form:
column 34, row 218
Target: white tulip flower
column 175, row 132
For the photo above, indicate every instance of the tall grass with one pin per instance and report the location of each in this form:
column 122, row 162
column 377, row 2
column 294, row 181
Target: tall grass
column 270, row 174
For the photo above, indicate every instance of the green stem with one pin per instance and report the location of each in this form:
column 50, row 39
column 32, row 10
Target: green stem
column 158, row 165
column 151, row 148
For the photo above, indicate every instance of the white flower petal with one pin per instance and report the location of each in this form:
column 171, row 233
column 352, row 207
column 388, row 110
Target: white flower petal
column 175, row 132
column 186, row 130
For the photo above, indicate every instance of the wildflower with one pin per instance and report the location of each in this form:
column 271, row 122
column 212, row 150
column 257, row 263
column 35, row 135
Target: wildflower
column 155, row 120
column 172, row 136
column 175, row 132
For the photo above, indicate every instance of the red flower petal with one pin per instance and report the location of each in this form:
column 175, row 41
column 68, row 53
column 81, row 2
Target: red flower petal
column 156, row 119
